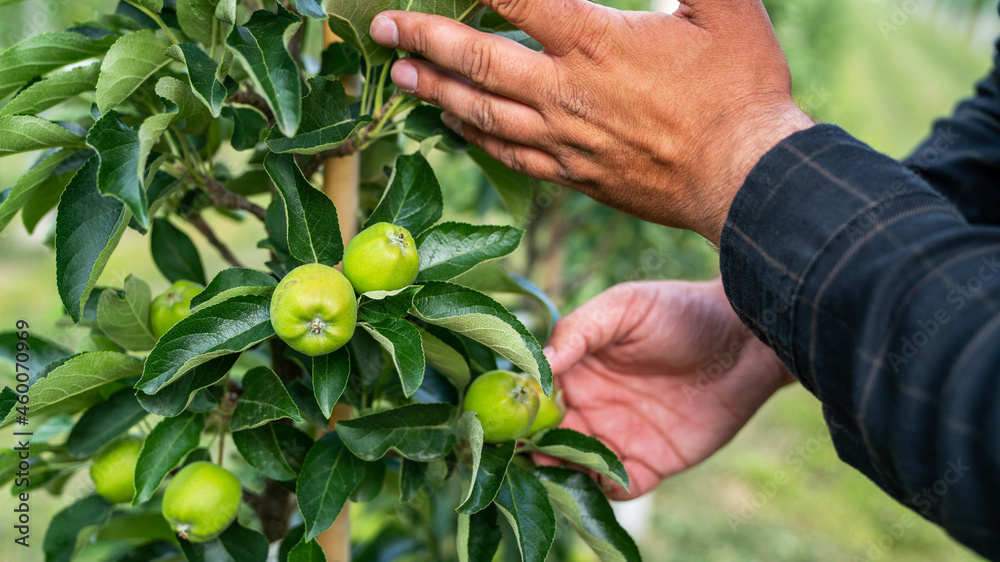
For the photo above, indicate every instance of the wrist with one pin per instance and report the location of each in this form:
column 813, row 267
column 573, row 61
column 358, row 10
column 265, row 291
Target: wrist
column 736, row 151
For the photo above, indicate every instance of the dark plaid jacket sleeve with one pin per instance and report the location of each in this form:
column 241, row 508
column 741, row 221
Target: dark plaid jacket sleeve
column 881, row 294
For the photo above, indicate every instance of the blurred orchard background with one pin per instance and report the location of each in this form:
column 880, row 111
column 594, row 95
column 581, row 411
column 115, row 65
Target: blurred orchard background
column 883, row 70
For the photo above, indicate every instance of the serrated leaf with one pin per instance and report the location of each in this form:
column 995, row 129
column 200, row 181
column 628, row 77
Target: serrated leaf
column 351, row 19
column 478, row 535
column 328, row 478
column 262, row 449
column 76, row 376
column 43, row 352
column 340, row 59
column 412, row 477
column 582, row 450
column 125, row 319
column 104, row 422
column 163, row 449
column 174, row 253
column 311, row 8
column 489, row 465
column 514, row 188
column 236, row 544
column 60, row 544
column 132, row 60
column 40, row 54
column 524, row 501
column 582, row 502
column 452, row 248
column 53, row 90
column 264, row 399
column 492, row 278
column 329, row 378
column 260, row 44
column 44, row 196
column 174, row 398
column 482, row 319
column 197, row 19
column 371, row 484
column 202, row 75
column 234, row 282
column 377, row 305
column 402, row 341
column 424, row 122
column 225, row 11
column 313, row 231
column 23, row 133
column 20, row 193
column 413, row 199
column 155, row 6
column 419, row 432
column 249, row 125
column 445, row 358
column 229, row 327
column 8, row 399
column 326, row 120
column 119, row 148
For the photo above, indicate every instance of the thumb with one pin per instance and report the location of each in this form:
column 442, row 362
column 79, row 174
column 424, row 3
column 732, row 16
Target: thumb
column 589, row 328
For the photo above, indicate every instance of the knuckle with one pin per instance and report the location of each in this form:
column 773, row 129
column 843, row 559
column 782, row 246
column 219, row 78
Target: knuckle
column 513, row 11
column 484, row 115
column 419, row 39
column 509, row 156
column 477, row 61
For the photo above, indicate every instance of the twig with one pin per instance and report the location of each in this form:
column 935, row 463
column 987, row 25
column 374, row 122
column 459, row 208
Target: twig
column 221, row 196
column 209, row 235
column 249, row 96
column 311, row 166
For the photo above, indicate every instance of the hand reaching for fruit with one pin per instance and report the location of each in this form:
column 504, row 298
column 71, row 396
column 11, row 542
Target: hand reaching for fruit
column 663, row 373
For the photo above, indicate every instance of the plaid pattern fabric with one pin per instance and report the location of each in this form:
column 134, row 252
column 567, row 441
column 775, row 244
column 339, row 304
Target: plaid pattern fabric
column 878, row 285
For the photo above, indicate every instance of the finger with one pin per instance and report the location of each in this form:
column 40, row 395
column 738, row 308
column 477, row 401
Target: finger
column 496, row 63
column 527, row 160
column 587, row 329
column 557, row 24
column 495, row 115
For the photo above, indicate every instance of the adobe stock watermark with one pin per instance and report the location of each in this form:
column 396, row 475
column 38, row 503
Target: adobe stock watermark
column 922, row 501
column 902, row 13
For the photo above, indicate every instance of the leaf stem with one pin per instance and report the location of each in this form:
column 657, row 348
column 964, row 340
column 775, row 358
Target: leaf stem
column 365, row 92
column 381, row 87
column 156, row 18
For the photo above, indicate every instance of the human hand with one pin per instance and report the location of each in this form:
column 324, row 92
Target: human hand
column 659, row 115
column 664, row 373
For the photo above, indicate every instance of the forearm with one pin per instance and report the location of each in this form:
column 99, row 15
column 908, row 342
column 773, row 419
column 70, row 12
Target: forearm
column 882, row 299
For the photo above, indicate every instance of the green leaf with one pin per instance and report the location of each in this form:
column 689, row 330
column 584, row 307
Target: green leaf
column 132, row 60
column 22, row 133
column 326, row 120
column 231, row 326
column 175, row 255
column 412, row 477
column 236, row 544
column 60, row 543
column 234, row 282
column 8, row 399
column 53, row 90
column 260, row 44
column 582, row 450
column 484, row 320
column 197, row 19
column 371, row 485
column 164, row 448
column 445, row 358
column 173, row 399
column 413, row 199
column 374, row 306
column 43, row 352
column 40, row 54
column 120, row 175
column 424, row 122
column 492, row 278
column 249, row 125
column 452, row 248
column 125, row 318
column 263, row 449
column 313, row 231
column 340, row 59
column 329, row 378
column 104, row 422
column 22, row 190
column 264, row 399
column 75, row 377
column 524, row 501
column 45, row 195
column 419, row 432
column 402, row 341
column 328, row 478
column 155, row 6
column 479, row 535
column 351, row 19
column 203, row 74
column 582, row 502
column 514, row 188
column 306, row 551
column 226, row 11
column 489, row 465
column 311, row 8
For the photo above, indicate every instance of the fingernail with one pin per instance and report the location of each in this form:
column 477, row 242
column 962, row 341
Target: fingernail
column 404, row 75
column 384, row 31
column 453, row 123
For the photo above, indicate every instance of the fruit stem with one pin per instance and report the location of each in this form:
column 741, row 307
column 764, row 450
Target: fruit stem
column 183, row 530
